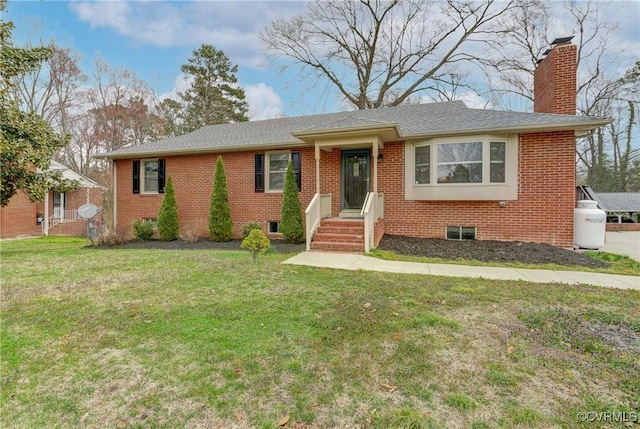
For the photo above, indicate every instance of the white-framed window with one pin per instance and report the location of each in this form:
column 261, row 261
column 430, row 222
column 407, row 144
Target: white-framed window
column 422, row 164
column 460, row 233
column 274, row 227
column 149, row 169
column 482, row 167
column 276, row 166
column 459, row 162
column 497, row 162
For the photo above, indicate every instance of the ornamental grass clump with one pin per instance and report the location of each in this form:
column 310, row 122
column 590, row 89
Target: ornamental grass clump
column 256, row 242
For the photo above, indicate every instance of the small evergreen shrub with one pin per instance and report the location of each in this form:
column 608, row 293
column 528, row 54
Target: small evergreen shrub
column 168, row 225
column 256, row 242
column 142, row 229
column 250, row 226
column 291, row 225
column 220, row 222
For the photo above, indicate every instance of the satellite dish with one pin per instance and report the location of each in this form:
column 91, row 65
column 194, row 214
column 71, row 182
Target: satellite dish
column 87, row 211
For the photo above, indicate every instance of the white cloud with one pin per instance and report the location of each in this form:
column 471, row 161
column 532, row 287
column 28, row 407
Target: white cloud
column 473, row 100
column 230, row 26
column 264, row 102
column 180, row 84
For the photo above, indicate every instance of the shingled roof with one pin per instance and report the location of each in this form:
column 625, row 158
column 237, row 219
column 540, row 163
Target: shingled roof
column 412, row 121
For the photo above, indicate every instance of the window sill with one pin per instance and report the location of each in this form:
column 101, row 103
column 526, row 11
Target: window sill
column 463, row 192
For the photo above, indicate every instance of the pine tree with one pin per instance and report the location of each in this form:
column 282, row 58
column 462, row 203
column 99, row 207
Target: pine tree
column 220, row 222
column 291, row 214
column 214, row 96
column 168, row 225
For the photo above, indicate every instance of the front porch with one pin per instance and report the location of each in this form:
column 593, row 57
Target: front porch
column 347, row 210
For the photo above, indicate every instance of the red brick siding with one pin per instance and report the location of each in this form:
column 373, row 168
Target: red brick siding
column 554, row 82
column 192, row 177
column 543, row 212
column 617, row 227
column 378, row 232
column 19, row 217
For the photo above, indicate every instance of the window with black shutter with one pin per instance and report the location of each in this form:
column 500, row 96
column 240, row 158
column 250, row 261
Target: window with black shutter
column 296, row 161
column 136, row 177
column 161, row 175
column 259, row 172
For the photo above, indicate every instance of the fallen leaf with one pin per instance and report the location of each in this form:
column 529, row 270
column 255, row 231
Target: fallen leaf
column 283, row 421
column 121, row 424
column 510, row 350
column 367, row 305
column 397, row 336
column 389, row 387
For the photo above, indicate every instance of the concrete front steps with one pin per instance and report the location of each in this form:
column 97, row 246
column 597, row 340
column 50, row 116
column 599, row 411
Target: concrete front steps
column 339, row 235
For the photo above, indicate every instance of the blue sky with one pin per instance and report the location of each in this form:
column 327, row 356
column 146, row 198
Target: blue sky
column 154, row 38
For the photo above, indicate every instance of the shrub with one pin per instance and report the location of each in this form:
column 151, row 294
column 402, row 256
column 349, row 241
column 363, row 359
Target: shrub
column 168, row 226
column 220, row 223
column 291, row 213
column 142, row 229
column 110, row 237
column 256, row 242
column 250, row 226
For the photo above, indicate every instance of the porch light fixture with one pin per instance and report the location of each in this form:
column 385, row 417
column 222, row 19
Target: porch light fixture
column 502, row 204
column 379, row 157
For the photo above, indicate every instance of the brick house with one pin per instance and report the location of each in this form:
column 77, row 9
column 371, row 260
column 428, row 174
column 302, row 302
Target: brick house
column 429, row 170
column 56, row 215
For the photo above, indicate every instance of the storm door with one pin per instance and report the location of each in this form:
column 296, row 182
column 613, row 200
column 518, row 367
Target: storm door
column 355, row 178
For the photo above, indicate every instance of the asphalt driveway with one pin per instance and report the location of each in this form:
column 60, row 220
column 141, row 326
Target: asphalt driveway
column 625, row 243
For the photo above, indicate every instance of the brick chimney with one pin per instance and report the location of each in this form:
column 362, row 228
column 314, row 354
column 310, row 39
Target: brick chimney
column 554, row 80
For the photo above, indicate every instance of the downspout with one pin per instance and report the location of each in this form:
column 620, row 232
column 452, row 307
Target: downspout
column 45, row 230
column 375, row 167
column 114, row 185
column 317, row 169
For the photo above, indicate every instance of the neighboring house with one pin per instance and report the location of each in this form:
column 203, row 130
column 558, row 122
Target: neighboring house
column 428, row 170
column 56, row 215
column 620, row 207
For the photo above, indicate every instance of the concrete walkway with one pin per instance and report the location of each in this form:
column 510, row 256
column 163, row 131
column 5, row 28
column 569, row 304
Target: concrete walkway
column 361, row 262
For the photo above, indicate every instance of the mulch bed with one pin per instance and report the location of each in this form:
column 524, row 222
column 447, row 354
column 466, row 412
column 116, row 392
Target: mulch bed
column 488, row 251
column 484, row 251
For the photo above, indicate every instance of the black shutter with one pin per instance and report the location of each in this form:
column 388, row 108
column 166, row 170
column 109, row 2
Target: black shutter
column 296, row 160
column 259, row 176
column 161, row 174
column 136, row 177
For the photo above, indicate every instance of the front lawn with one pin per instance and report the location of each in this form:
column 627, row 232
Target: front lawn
column 206, row 338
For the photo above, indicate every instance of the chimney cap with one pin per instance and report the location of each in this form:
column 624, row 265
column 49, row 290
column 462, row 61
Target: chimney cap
column 562, row 40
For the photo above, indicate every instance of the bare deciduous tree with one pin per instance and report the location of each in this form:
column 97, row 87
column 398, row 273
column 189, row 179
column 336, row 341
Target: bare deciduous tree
column 382, row 53
column 606, row 82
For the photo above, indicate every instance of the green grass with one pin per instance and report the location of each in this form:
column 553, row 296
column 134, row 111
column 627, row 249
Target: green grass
column 619, row 264
column 162, row 339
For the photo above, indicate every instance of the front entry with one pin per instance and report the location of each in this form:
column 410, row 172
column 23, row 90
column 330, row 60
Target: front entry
column 355, row 178
column 59, row 203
